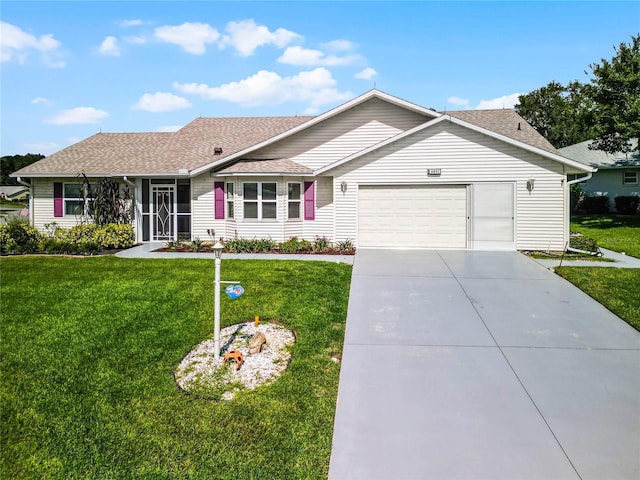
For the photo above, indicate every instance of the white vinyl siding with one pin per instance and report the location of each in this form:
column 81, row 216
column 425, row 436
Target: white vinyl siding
column 465, row 157
column 426, row 216
column 338, row 137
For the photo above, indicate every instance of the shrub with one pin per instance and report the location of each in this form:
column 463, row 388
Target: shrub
column 345, row 247
column 62, row 246
column 628, row 205
column 79, row 233
column 293, row 245
column 196, row 245
column 255, row 245
column 321, row 245
column 18, row 237
column 591, row 204
column 114, row 236
column 587, row 244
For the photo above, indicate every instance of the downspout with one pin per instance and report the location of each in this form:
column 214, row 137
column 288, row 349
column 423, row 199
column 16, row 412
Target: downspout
column 569, row 183
column 22, row 182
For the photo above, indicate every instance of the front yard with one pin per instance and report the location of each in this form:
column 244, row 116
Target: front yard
column 89, row 347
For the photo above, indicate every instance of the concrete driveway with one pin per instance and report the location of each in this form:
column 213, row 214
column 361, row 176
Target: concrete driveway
column 482, row 365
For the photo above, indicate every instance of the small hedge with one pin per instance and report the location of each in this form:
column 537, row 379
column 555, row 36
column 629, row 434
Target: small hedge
column 320, row 245
column 592, row 204
column 19, row 238
column 628, row 205
column 586, row 244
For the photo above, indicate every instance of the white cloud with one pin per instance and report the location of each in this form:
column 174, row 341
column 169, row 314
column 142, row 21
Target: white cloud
column 135, row 39
column 366, row 74
column 130, row 23
column 169, row 128
column 15, row 45
column 109, row 46
column 41, row 101
column 339, row 45
column 506, row 101
column 44, row 148
column 246, row 36
column 312, row 58
column 161, row 102
column 316, row 87
column 462, row 102
column 193, row 37
column 77, row 116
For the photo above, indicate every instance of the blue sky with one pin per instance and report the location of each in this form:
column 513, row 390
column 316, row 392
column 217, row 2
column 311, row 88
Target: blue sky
column 72, row 69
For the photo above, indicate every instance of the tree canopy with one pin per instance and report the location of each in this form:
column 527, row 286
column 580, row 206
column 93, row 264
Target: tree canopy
column 10, row 164
column 606, row 110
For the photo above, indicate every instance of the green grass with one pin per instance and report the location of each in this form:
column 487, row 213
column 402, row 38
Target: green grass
column 617, row 289
column 620, row 233
column 89, row 347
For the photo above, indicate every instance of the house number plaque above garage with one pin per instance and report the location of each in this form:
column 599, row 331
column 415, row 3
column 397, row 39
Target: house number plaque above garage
column 434, row 172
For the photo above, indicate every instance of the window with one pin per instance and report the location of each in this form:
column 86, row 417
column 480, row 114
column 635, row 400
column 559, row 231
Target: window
column 230, row 204
column 260, row 200
column 73, row 201
column 293, row 201
column 630, row 178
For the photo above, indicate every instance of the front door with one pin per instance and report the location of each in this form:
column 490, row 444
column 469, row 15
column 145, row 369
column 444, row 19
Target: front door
column 163, row 218
column 493, row 216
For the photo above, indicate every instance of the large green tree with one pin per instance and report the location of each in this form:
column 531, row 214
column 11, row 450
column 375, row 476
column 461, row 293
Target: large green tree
column 10, row 164
column 615, row 90
column 607, row 109
column 564, row 115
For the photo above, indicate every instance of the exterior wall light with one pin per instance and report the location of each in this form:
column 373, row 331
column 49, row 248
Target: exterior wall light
column 343, row 186
column 530, row 184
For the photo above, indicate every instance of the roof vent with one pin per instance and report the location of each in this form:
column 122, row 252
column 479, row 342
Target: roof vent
column 519, row 127
column 217, row 151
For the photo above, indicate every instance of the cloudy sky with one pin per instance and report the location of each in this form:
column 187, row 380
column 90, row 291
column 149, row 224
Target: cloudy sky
column 72, row 69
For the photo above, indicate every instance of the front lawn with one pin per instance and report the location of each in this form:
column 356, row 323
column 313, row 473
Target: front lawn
column 618, row 289
column 89, row 347
column 620, row 233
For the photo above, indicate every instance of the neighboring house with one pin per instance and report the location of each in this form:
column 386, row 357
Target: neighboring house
column 617, row 175
column 377, row 170
column 14, row 193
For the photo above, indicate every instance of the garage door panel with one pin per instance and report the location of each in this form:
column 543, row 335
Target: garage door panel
column 412, row 216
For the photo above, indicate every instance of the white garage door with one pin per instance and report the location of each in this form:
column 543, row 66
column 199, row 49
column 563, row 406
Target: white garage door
column 431, row 216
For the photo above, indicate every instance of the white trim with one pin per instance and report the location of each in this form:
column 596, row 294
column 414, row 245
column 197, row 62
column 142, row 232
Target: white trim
column 624, row 178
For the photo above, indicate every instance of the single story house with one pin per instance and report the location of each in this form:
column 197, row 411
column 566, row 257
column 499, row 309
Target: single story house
column 14, row 193
column 378, row 170
column 617, row 174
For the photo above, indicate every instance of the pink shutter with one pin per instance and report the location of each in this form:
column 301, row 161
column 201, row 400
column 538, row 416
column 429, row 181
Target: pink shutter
column 309, row 201
column 58, row 204
column 219, row 200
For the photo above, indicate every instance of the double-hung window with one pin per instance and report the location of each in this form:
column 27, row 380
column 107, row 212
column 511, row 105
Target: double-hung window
column 230, row 199
column 260, row 200
column 293, row 201
column 630, row 178
column 74, row 199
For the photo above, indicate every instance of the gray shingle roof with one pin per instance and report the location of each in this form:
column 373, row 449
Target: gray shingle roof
column 162, row 153
column 597, row 158
column 505, row 122
column 272, row 166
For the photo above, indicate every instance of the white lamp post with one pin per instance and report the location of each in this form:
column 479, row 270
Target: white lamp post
column 217, row 250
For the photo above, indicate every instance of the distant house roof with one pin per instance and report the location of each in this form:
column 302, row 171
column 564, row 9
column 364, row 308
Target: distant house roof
column 599, row 159
column 12, row 191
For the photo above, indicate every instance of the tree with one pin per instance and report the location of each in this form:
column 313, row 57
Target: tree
column 564, row 115
column 615, row 89
column 10, row 164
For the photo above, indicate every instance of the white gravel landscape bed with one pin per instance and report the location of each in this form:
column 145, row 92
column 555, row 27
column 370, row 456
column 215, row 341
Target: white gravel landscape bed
column 201, row 374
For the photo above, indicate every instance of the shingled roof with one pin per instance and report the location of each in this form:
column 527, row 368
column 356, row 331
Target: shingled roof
column 507, row 123
column 270, row 166
column 161, row 153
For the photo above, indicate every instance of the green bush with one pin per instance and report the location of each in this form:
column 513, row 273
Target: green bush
column 345, row 247
column 587, row 244
column 115, row 235
column 321, row 245
column 18, row 237
column 255, row 245
column 63, row 246
column 294, row 245
column 79, row 233
column 628, row 205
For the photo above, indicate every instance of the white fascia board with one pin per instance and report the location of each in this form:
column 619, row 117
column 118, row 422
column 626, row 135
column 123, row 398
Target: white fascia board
column 320, row 118
column 378, row 145
column 257, row 174
column 108, row 175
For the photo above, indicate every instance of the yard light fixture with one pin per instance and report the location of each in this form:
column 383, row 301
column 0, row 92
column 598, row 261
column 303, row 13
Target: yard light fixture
column 530, row 184
column 343, row 186
column 217, row 250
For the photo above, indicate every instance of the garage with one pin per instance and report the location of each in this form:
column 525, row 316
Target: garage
column 419, row 216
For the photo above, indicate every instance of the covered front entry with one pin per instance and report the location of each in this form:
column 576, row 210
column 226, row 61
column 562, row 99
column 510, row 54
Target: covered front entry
column 426, row 216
